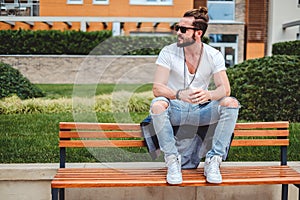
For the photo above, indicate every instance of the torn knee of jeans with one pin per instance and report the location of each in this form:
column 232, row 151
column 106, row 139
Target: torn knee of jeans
column 229, row 102
column 159, row 107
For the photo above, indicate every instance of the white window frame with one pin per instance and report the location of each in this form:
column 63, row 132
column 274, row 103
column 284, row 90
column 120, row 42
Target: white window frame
column 151, row 2
column 74, row 1
column 222, row 2
column 223, row 45
column 102, row 2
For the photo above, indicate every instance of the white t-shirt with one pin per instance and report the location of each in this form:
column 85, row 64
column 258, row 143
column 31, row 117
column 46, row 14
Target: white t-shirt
column 172, row 57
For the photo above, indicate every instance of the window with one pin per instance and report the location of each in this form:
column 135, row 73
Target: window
column 228, row 45
column 221, row 10
column 75, row 1
column 151, row 2
column 100, row 1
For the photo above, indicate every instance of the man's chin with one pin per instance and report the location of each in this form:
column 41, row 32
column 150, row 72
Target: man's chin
column 185, row 44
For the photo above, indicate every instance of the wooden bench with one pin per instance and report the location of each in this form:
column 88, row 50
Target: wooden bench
column 82, row 135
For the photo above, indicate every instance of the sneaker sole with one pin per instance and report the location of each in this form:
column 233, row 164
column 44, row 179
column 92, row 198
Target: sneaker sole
column 174, row 182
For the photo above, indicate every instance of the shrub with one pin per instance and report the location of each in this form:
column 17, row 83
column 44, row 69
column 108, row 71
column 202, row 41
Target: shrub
column 286, row 48
column 13, row 82
column 50, row 41
column 267, row 88
column 118, row 102
column 80, row 43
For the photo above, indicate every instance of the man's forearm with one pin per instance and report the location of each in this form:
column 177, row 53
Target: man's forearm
column 163, row 90
column 219, row 93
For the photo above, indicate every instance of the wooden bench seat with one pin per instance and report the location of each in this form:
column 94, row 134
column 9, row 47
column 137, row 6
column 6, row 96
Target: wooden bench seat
column 81, row 135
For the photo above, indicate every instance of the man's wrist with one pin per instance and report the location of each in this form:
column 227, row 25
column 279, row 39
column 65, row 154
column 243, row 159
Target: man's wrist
column 177, row 96
column 210, row 96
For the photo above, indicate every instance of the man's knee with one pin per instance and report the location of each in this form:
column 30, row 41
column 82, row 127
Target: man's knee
column 229, row 102
column 159, row 107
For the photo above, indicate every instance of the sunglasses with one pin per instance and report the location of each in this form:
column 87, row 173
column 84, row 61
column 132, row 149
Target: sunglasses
column 183, row 29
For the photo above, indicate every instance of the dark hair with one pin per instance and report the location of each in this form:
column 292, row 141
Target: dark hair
column 201, row 18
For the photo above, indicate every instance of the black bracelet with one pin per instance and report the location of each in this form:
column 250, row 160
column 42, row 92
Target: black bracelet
column 177, row 94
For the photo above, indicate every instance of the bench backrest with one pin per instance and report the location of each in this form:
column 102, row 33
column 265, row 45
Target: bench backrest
column 78, row 134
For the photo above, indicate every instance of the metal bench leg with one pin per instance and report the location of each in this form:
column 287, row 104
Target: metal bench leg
column 54, row 193
column 62, row 194
column 285, row 190
column 298, row 186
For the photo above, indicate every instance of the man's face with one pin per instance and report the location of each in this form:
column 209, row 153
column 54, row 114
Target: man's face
column 187, row 38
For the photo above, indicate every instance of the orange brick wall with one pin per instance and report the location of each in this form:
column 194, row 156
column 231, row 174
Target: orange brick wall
column 255, row 50
column 120, row 8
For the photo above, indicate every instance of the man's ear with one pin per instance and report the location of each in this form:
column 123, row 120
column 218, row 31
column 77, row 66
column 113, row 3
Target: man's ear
column 199, row 33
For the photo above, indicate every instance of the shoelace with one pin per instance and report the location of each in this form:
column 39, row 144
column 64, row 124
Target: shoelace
column 214, row 166
column 173, row 165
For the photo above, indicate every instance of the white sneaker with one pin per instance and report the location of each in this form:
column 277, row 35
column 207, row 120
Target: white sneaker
column 174, row 175
column 212, row 169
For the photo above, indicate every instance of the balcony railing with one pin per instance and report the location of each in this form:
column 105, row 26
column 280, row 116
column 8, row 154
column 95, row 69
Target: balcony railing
column 19, row 8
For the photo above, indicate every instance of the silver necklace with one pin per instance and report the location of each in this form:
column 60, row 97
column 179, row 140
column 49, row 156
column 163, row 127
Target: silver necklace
column 184, row 68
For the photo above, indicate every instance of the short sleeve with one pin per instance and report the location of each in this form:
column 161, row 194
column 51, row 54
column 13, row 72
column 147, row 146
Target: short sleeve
column 219, row 62
column 164, row 58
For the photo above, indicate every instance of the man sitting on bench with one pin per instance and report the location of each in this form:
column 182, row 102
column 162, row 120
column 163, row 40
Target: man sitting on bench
column 182, row 97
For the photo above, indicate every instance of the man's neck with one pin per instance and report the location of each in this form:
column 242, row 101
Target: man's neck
column 194, row 49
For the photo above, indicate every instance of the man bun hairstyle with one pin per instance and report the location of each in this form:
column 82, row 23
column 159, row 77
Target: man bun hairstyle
column 201, row 18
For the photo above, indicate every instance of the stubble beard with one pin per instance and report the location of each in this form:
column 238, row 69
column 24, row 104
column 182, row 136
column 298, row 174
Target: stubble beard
column 185, row 42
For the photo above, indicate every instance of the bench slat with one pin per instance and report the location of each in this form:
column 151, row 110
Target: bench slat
column 98, row 134
column 98, row 126
column 261, row 133
column 132, row 134
column 129, row 126
column 260, row 142
column 253, row 125
column 246, row 175
column 101, row 143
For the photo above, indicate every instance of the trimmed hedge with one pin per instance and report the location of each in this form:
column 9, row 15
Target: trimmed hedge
column 286, row 48
column 80, row 43
column 267, row 88
column 13, row 82
column 50, row 42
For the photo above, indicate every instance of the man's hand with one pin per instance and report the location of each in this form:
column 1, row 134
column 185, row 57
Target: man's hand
column 195, row 96
column 199, row 96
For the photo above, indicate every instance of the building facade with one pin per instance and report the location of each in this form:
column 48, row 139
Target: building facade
column 240, row 29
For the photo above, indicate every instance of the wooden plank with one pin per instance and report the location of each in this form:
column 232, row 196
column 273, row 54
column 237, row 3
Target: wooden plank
column 128, row 126
column 253, row 125
column 240, row 175
column 260, row 142
column 101, row 143
column 100, row 134
column 141, row 143
column 98, row 126
column 261, row 133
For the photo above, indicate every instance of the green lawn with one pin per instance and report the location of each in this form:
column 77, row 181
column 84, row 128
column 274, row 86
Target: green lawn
column 33, row 138
column 54, row 91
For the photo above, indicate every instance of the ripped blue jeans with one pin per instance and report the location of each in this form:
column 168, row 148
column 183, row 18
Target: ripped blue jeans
column 183, row 113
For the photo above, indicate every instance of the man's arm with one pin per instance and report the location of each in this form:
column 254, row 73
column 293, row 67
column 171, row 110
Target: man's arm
column 160, row 87
column 222, row 86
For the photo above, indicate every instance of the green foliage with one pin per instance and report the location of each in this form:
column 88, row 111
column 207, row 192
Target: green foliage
column 267, row 88
column 50, row 42
column 135, row 45
column 116, row 102
column 286, row 48
column 80, row 43
column 13, row 82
